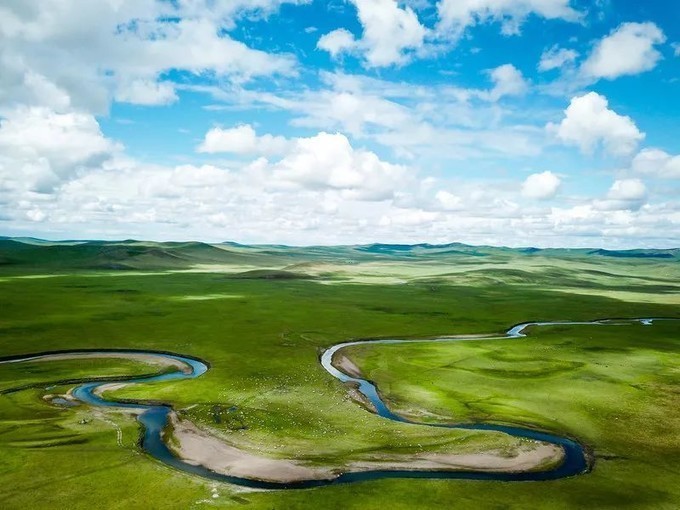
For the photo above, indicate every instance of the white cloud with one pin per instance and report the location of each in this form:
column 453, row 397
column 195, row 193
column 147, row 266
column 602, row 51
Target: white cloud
column 147, row 92
column 229, row 10
column 508, row 81
column 321, row 185
column 40, row 149
column 676, row 49
column 353, row 112
column 351, row 196
column 588, row 122
column 350, row 107
column 541, row 185
column 456, row 15
column 21, row 85
column 629, row 49
column 624, row 194
column 328, row 161
column 656, row 163
column 599, row 226
column 337, row 42
column 449, row 201
column 556, row 58
column 627, row 189
column 415, row 121
column 408, row 218
column 430, row 141
column 74, row 54
column 193, row 45
column 390, row 34
column 242, row 140
column 58, row 169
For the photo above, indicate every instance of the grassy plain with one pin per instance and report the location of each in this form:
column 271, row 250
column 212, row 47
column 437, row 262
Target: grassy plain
column 263, row 332
column 616, row 388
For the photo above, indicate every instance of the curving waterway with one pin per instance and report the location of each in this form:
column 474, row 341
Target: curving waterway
column 154, row 418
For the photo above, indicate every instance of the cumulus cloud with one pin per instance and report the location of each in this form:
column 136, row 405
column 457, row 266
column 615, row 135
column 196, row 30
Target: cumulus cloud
column 337, row 42
column 627, row 189
column 456, row 15
column 328, row 161
column 556, row 58
column 624, row 194
column 59, row 169
column 70, row 53
column 357, row 197
column 390, row 34
column 588, row 123
column 508, row 81
column 41, row 149
column 629, row 49
column 449, row 201
column 241, row 140
column 656, row 163
column 321, row 184
column 541, row 185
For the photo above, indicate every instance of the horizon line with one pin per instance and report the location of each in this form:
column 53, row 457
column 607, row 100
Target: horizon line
column 284, row 245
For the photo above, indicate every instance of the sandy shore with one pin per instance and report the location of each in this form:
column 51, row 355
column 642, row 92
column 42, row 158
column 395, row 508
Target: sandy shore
column 150, row 359
column 346, row 365
column 199, row 447
column 523, row 460
column 103, row 388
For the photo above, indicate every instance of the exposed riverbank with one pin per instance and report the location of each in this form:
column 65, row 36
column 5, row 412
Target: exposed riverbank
column 198, row 446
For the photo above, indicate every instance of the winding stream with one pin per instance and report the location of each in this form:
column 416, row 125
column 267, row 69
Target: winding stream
column 154, row 418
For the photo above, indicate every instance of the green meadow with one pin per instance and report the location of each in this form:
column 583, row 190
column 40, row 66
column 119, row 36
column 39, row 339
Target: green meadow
column 261, row 316
column 615, row 388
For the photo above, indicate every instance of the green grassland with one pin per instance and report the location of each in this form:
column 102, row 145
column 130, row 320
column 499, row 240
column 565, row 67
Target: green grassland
column 262, row 316
column 616, row 388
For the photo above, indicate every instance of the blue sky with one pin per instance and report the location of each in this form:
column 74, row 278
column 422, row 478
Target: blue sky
column 513, row 122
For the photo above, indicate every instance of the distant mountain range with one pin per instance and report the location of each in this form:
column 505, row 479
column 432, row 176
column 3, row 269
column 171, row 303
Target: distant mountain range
column 146, row 255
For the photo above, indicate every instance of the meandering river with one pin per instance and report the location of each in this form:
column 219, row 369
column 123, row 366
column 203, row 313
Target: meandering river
column 154, row 418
